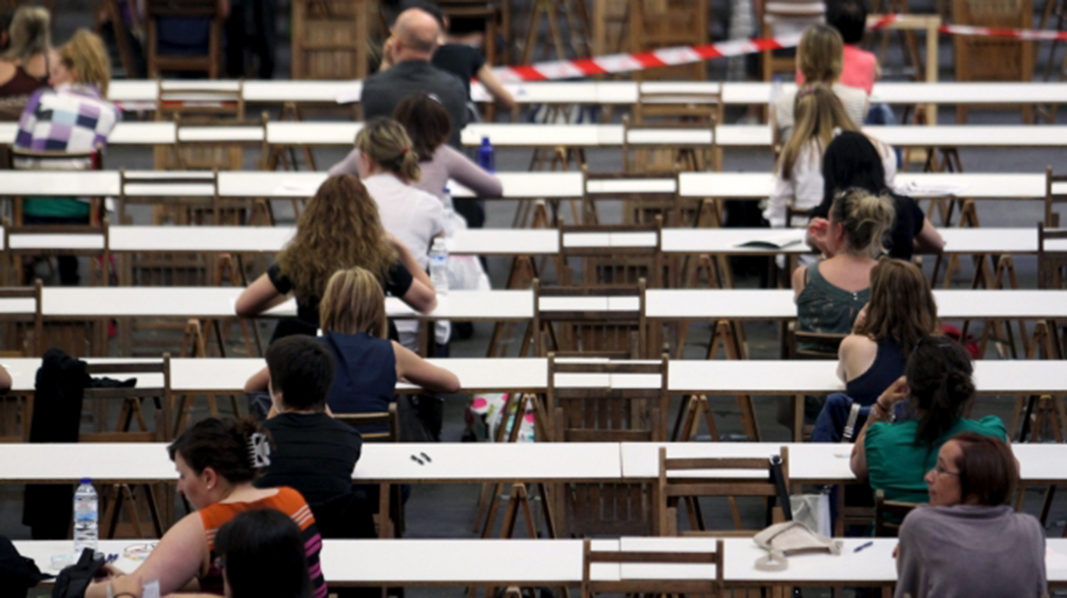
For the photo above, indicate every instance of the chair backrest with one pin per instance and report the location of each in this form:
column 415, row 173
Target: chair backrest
column 374, row 421
column 590, row 321
column 1052, row 181
column 21, row 322
column 813, row 345
column 690, row 479
column 209, row 63
column 58, row 239
column 656, row 24
column 182, row 8
column 645, row 195
column 132, row 402
column 186, row 197
column 784, row 17
column 667, row 147
column 616, row 401
column 984, row 58
column 612, row 254
column 1051, row 264
column 889, row 514
column 208, row 143
column 632, row 582
column 190, row 99
column 27, row 159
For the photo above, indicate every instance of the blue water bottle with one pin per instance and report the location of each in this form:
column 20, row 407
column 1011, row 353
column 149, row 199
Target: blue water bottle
column 485, row 156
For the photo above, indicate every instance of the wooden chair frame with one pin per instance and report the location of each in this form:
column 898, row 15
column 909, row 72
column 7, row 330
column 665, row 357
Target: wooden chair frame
column 690, row 488
column 767, row 13
column 15, row 253
column 34, row 348
column 92, row 160
column 204, row 101
column 135, row 180
column 390, row 503
column 687, row 156
column 1052, row 219
column 888, row 514
column 637, row 204
column 211, row 63
column 570, row 324
column 703, row 587
column 689, row 108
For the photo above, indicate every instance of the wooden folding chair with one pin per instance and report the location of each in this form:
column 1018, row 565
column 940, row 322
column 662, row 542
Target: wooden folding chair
column 889, row 514
column 198, row 148
column 645, row 196
column 689, row 147
column 331, row 38
column 1052, row 219
column 50, row 240
column 612, row 412
column 632, row 583
column 984, row 58
column 190, row 99
column 690, row 479
column 25, row 159
column 620, row 333
column 657, row 103
column 390, row 503
column 131, row 414
column 21, row 330
column 210, row 64
column 657, row 24
column 612, row 255
column 777, row 17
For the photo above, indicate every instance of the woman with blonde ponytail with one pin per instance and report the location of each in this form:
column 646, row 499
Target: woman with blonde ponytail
column 938, row 385
column 830, row 293
column 389, row 168
column 27, row 55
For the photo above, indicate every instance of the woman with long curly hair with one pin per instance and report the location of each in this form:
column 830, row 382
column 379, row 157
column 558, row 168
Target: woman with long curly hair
column 339, row 229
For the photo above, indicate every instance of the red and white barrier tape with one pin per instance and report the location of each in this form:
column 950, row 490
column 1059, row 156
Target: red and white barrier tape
column 624, row 63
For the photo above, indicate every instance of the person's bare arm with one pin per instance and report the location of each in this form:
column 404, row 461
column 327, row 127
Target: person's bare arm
column 5, row 379
column 883, row 405
column 798, row 282
column 179, row 557
column 258, row 382
column 258, row 297
column 495, row 88
column 929, row 240
column 416, row 370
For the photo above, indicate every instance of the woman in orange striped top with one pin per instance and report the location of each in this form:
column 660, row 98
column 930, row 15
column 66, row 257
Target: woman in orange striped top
column 217, row 462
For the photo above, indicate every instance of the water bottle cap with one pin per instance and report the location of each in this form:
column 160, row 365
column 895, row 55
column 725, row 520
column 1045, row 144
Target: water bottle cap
column 485, row 140
column 87, row 481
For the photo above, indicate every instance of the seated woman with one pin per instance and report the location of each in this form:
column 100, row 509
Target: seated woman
column 901, row 311
column 853, row 160
column 893, row 456
column 217, row 461
column 366, row 364
column 339, row 228
column 969, row 541
column 830, row 293
column 258, row 541
column 798, row 181
column 428, row 125
column 27, row 57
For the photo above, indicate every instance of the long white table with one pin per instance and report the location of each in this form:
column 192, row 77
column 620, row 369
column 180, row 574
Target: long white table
column 609, row 92
column 509, row 242
column 717, row 377
column 559, row 562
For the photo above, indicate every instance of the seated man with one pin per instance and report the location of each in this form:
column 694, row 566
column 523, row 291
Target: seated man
column 313, row 453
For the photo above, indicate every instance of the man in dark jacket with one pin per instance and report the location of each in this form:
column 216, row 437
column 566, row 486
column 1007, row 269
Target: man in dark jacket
column 406, row 70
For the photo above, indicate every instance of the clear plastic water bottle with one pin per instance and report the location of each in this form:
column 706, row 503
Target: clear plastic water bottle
column 486, row 159
column 86, row 517
column 439, row 266
column 776, row 90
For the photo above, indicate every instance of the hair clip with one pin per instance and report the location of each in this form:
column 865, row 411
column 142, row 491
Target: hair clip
column 404, row 151
column 259, row 450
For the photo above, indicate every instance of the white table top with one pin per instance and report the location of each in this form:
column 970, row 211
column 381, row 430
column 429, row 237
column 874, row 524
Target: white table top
column 611, row 92
column 774, row 304
column 758, row 185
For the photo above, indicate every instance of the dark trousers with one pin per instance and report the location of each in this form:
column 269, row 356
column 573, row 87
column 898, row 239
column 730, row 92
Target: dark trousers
column 68, row 264
column 830, row 424
column 251, row 26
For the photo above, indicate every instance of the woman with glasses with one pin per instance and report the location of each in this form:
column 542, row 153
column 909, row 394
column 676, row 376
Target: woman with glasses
column 969, row 541
column 895, row 456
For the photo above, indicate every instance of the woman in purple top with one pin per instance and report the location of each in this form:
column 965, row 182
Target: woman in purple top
column 428, row 124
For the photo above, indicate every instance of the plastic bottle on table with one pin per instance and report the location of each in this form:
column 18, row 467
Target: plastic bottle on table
column 86, row 517
column 439, row 266
column 486, row 159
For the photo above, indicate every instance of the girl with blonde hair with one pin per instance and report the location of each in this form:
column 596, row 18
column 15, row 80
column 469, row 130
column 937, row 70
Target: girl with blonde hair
column 389, row 167
column 819, row 60
column 367, row 365
column 25, row 62
column 339, row 228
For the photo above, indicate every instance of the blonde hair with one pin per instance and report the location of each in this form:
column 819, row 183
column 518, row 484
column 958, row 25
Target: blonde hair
column 354, row 303
column 821, row 54
column 386, row 142
column 866, row 219
column 29, row 33
column 86, row 54
column 818, row 114
column 339, row 228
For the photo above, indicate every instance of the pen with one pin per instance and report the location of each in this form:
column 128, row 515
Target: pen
column 862, row 546
column 417, row 460
column 427, row 457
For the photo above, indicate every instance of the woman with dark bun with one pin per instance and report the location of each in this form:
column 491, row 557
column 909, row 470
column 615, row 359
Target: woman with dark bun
column 217, row 463
column 895, row 456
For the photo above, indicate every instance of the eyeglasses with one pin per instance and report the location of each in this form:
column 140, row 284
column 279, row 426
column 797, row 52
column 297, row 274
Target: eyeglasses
column 939, row 471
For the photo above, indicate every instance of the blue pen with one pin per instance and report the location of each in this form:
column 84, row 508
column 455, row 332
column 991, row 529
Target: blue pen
column 864, row 545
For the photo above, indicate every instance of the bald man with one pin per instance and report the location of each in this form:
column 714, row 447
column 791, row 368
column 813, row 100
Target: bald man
column 406, row 70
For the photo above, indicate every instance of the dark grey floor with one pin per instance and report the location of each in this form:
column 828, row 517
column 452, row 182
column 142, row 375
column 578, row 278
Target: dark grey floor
column 447, row 511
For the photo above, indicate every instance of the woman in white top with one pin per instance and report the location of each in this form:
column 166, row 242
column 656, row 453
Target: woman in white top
column 798, row 179
column 820, row 57
column 389, row 168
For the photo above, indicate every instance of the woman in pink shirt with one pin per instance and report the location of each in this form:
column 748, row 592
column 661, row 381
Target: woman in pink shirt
column 859, row 67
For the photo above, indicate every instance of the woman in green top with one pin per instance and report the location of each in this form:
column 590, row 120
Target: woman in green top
column 894, row 456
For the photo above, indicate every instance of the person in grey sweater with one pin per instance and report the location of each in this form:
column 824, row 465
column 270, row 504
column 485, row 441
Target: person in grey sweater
column 968, row 541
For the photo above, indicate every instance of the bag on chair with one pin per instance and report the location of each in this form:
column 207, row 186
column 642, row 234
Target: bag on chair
column 791, row 538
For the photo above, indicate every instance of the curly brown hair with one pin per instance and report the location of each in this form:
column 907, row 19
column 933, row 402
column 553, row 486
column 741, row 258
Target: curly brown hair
column 340, row 228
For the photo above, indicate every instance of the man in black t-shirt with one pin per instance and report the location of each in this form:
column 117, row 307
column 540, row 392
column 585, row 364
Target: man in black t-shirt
column 313, row 453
